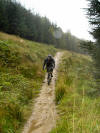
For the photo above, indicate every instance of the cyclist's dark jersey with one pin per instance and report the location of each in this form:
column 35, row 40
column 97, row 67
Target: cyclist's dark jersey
column 49, row 63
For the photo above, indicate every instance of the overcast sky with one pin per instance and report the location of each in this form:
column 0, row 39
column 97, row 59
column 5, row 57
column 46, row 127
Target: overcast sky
column 68, row 14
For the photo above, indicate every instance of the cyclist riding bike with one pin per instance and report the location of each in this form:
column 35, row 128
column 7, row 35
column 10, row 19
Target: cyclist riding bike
column 49, row 62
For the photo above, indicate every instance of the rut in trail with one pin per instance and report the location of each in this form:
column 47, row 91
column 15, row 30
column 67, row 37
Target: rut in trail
column 43, row 118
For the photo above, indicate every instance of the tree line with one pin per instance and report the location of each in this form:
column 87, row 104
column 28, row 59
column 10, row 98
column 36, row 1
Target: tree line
column 93, row 48
column 16, row 19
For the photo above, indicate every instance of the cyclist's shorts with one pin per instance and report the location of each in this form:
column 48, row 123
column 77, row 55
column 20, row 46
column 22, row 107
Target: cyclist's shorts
column 49, row 69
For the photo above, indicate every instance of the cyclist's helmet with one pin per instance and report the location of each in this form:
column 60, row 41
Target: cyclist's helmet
column 49, row 56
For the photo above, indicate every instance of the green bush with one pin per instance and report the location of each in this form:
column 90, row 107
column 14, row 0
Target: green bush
column 8, row 57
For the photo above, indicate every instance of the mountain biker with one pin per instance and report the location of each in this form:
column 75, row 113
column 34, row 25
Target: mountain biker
column 49, row 62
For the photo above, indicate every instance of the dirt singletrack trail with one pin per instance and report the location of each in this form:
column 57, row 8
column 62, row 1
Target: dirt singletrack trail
column 43, row 118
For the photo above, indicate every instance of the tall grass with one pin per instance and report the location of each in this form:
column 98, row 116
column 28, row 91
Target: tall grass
column 78, row 106
column 21, row 78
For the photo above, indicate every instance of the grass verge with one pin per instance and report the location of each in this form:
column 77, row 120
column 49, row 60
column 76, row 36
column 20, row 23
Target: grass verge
column 77, row 103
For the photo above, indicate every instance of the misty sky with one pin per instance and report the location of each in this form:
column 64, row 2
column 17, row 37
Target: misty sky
column 68, row 14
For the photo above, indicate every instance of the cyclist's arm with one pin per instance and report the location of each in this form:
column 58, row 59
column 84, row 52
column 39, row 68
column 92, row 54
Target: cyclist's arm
column 44, row 64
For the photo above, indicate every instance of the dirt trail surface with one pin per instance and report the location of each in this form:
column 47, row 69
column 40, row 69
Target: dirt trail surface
column 43, row 118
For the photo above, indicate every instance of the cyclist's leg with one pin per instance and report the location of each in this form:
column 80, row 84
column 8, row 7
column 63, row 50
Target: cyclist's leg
column 52, row 72
column 48, row 72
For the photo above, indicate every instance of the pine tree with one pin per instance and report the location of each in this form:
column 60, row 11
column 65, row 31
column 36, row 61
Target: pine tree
column 93, row 13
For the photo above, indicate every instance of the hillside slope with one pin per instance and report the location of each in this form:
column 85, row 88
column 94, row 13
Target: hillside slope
column 21, row 76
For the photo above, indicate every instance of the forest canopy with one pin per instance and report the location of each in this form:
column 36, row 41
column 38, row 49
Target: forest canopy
column 16, row 19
